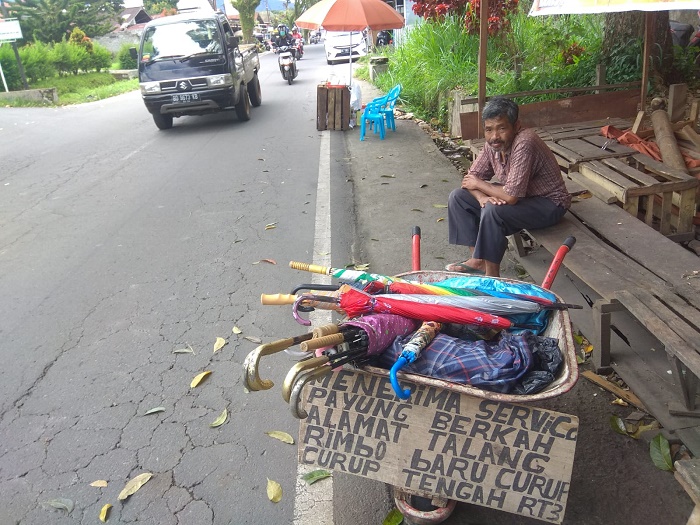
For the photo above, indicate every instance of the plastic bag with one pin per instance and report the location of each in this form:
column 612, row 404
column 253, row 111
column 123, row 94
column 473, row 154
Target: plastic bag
column 356, row 97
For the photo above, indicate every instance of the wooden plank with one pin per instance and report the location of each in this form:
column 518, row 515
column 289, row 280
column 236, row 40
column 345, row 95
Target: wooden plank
column 330, row 108
column 691, row 135
column 638, row 122
column 610, row 145
column 568, row 154
column 611, row 387
column 686, row 330
column 321, row 108
column 660, row 256
column 582, row 182
column 688, row 475
column 609, row 179
column 591, row 260
column 586, row 150
column 677, row 99
column 662, row 169
column 606, row 108
column 653, row 317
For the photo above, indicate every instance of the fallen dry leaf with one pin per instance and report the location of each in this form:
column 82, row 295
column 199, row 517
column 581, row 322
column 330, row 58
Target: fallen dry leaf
column 439, row 205
column 282, row 436
column 252, row 339
column 154, row 411
column 104, row 512
column 61, row 503
column 219, row 344
column 99, row 483
column 274, row 491
column 199, row 378
column 271, row 226
column 236, row 330
column 133, row 485
column 362, row 267
column 440, row 219
column 219, row 420
column 187, row 350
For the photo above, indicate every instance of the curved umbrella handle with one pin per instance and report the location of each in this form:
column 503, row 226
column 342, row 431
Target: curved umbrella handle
column 309, row 297
column 398, row 365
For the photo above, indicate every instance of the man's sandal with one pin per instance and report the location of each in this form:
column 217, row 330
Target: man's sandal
column 461, row 267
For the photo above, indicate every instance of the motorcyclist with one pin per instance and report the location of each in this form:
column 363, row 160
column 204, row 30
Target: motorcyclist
column 284, row 37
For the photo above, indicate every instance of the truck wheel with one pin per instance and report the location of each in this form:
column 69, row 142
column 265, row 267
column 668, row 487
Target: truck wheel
column 243, row 106
column 163, row 121
column 254, row 91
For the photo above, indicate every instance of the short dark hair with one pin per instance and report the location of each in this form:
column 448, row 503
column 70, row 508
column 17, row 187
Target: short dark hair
column 500, row 106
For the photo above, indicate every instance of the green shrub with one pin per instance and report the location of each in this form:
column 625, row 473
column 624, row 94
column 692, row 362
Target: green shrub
column 9, row 68
column 101, row 58
column 124, row 57
column 69, row 58
column 74, row 83
column 36, row 59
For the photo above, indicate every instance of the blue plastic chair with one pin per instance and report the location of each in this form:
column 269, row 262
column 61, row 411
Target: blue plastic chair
column 388, row 107
column 373, row 115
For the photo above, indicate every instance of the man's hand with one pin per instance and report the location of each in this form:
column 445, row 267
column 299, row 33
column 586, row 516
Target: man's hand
column 470, row 182
column 486, row 192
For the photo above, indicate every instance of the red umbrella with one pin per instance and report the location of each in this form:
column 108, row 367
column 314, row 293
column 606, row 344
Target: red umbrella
column 356, row 302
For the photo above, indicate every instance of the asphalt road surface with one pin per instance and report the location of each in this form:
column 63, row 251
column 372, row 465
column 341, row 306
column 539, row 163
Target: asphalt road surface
column 121, row 244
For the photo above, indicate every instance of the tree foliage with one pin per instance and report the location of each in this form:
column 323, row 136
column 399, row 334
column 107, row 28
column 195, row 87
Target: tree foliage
column 153, row 7
column 53, row 20
column 470, row 11
column 246, row 10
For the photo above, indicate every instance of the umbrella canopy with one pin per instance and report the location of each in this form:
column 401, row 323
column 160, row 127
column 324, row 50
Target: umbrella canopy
column 382, row 329
column 350, row 15
column 562, row 7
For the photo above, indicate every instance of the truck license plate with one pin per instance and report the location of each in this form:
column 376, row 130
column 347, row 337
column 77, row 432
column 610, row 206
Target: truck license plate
column 185, row 97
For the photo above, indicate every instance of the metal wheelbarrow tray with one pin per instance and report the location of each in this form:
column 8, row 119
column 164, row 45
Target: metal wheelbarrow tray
column 559, row 327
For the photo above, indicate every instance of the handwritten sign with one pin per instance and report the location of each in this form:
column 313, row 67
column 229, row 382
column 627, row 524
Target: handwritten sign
column 515, row 458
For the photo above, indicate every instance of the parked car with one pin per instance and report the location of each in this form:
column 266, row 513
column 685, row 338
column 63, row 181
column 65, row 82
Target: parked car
column 341, row 45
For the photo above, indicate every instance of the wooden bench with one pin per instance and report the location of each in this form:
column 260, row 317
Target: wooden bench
column 639, row 273
column 659, row 195
column 688, row 475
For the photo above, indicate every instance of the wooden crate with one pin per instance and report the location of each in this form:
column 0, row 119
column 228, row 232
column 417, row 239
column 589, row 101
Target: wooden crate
column 332, row 107
column 661, row 196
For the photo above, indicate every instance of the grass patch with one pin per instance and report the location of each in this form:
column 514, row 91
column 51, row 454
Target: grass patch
column 77, row 89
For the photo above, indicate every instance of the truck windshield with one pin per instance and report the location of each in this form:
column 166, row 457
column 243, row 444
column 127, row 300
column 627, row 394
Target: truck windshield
column 181, row 40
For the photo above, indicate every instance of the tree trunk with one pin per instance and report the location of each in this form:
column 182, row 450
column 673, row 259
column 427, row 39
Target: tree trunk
column 627, row 29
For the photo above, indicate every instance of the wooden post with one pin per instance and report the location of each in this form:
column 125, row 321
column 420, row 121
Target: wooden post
column 483, row 46
column 665, row 138
column 649, row 19
column 599, row 77
column 677, row 98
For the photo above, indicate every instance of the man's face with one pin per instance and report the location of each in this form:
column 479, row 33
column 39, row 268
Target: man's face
column 499, row 133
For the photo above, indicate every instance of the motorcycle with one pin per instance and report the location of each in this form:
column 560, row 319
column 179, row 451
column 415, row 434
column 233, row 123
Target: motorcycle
column 384, row 38
column 316, row 37
column 299, row 46
column 287, row 64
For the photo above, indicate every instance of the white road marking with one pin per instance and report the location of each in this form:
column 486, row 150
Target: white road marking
column 313, row 504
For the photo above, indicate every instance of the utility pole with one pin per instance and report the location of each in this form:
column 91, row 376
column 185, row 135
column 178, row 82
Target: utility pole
column 20, row 67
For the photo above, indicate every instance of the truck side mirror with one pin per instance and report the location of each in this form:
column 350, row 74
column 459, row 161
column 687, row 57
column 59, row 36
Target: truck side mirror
column 133, row 53
column 232, row 41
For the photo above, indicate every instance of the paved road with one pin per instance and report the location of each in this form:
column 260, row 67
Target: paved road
column 121, row 244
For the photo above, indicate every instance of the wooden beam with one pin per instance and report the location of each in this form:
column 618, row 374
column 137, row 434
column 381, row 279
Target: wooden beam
column 649, row 19
column 613, row 388
column 483, row 48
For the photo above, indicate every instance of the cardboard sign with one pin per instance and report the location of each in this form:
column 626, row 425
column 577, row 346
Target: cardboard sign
column 515, row 458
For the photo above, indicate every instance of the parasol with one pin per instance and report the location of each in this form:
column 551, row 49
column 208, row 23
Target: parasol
column 350, row 15
column 356, row 339
column 356, row 302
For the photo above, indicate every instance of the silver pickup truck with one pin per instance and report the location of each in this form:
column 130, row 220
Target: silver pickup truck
column 191, row 64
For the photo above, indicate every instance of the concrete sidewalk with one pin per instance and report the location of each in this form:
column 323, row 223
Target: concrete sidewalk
column 401, row 182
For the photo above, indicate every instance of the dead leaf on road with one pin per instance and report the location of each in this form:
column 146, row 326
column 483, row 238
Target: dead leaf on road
column 61, row 503
column 187, row 350
column 133, row 485
column 252, row 339
column 271, row 226
column 274, row 491
column 219, row 420
column 440, row 219
column 236, row 330
column 154, row 411
column 282, row 436
column 219, row 344
column 99, row 483
column 199, row 378
column 104, row 512
column 439, row 205
column 269, row 261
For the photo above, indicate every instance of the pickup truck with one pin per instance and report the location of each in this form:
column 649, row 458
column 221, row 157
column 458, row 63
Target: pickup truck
column 192, row 64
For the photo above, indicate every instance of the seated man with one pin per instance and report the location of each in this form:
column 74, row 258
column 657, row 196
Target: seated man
column 527, row 191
